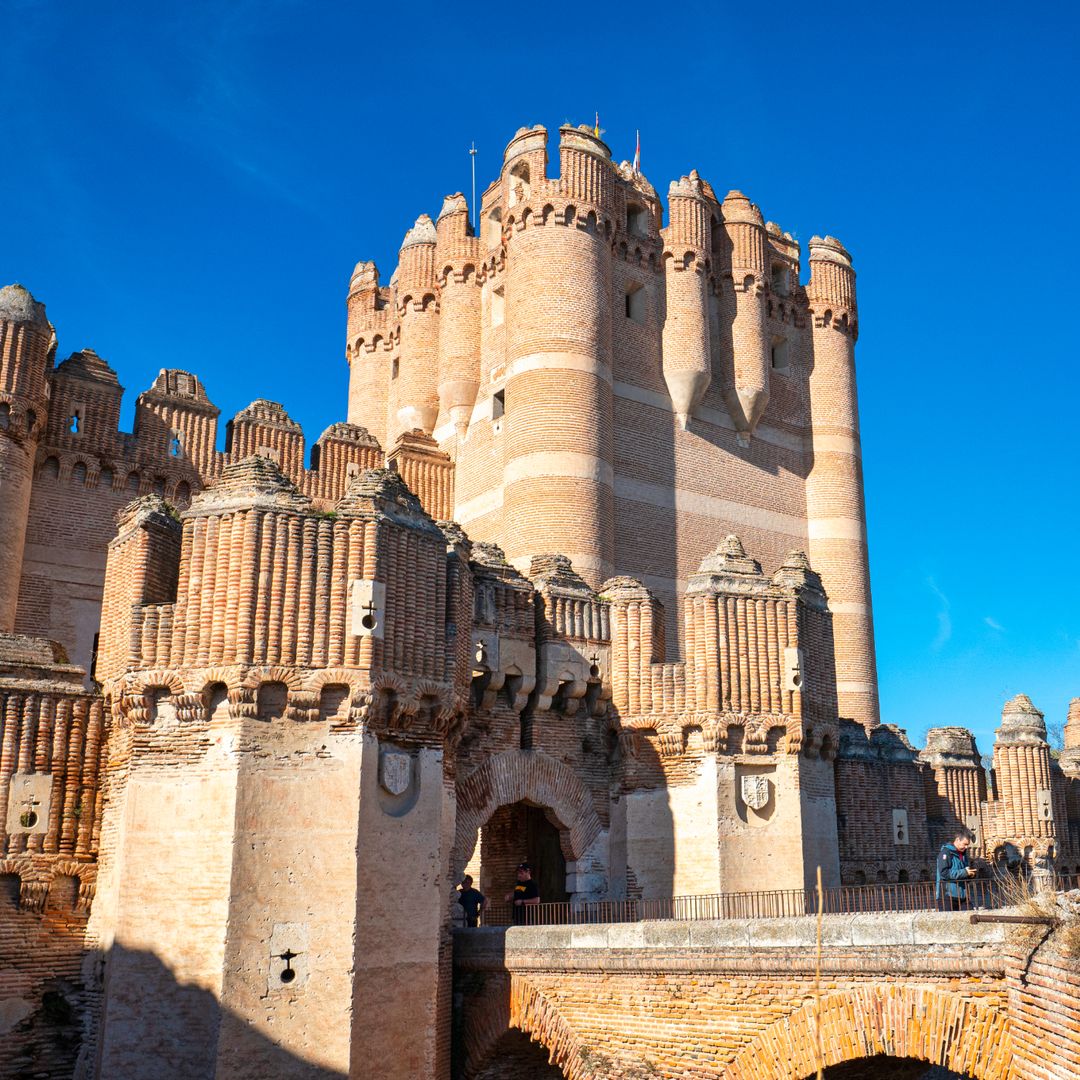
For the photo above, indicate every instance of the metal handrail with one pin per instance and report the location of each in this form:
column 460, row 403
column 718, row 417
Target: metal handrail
column 982, row 893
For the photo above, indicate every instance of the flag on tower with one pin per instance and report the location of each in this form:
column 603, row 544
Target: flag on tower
column 596, row 126
column 637, row 155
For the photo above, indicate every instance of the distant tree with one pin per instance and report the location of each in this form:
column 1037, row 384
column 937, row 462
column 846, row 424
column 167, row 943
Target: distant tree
column 1055, row 736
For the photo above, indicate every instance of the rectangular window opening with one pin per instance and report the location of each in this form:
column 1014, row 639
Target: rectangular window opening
column 635, row 303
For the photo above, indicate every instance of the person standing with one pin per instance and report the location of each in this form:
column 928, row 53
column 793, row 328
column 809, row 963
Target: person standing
column 472, row 901
column 525, row 895
column 953, row 873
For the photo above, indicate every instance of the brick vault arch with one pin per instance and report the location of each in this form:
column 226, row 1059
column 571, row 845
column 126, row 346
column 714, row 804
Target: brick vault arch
column 524, row 1008
column 900, row 1021
column 518, row 775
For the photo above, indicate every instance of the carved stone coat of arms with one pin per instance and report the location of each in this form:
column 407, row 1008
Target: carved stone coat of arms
column 755, row 791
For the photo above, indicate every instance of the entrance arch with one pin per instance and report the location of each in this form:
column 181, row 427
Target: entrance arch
column 533, row 778
column 897, row 1021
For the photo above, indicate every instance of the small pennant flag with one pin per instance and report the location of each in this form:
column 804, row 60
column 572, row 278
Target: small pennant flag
column 637, row 155
column 596, row 126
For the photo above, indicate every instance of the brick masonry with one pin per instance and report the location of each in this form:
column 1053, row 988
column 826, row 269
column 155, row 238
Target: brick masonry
column 738, row 999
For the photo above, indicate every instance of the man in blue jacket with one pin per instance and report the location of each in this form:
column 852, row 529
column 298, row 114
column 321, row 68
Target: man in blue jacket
column 953, row 872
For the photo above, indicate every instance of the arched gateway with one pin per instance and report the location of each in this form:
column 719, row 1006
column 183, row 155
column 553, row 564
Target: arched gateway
column 534, row 778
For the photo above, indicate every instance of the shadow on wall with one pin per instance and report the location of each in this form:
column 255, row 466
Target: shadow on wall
column 193, row 1036
column 644, row 846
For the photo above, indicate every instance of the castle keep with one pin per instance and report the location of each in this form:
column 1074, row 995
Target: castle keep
column 582, row 579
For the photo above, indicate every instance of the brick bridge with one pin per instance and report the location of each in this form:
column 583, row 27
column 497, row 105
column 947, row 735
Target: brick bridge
column 734, row 1000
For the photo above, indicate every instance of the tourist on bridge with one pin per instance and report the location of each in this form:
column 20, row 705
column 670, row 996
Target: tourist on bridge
column 526, row 894
column 472, row 901
column 953, row 872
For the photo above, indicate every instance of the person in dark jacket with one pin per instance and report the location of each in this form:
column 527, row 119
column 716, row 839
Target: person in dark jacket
column 953, row 873
column 472, row 901
column 525, row 896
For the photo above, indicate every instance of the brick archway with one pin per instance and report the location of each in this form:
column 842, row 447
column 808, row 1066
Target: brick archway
column 531, row 1013
column 525, row 775
column 899, row 1021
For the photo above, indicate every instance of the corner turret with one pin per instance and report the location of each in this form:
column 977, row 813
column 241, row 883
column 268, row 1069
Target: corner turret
column 686, row 349
column 368, row 340
column 743, row 267
column 835, row 506
column 27, row 344
column 457, row 258
column 413, row 394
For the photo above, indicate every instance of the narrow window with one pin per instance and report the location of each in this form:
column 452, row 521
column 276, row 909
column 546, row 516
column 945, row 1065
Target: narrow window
column 74, row 423
column 493, row 228
column 635, row 303
column 174, row 445
column 94, row 657
column 781, row 358
column 779, row 279
column 519, row 183
column 498, row 306
column 395, row 367
column 637, row 220
column 498, row 404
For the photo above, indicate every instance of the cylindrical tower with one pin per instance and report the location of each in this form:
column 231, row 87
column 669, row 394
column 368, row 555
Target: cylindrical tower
column 743, row 305
column 835, row 510
column 687, row 242
column 457, row 253
column 370, row 321
column 1070, row 755
column 414, row 377
column 26, row 343
column 1022, row 769
column 557, row 430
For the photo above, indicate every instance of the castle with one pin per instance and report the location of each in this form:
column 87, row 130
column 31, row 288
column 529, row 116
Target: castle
column 583, row 579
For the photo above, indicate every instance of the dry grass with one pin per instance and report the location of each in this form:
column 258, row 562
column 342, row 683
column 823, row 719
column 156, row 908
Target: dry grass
column 1030, row 898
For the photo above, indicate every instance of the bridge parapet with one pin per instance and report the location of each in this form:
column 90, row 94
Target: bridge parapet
column 515, row 946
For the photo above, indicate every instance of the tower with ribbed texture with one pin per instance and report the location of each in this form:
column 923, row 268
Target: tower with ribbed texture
column 1027, row 812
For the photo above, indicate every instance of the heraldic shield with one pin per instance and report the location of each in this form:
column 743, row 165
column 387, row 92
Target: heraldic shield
column 755, row 791
column 396, row 771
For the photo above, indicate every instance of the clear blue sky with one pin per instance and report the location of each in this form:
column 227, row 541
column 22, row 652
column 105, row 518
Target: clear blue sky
column 191, row 186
